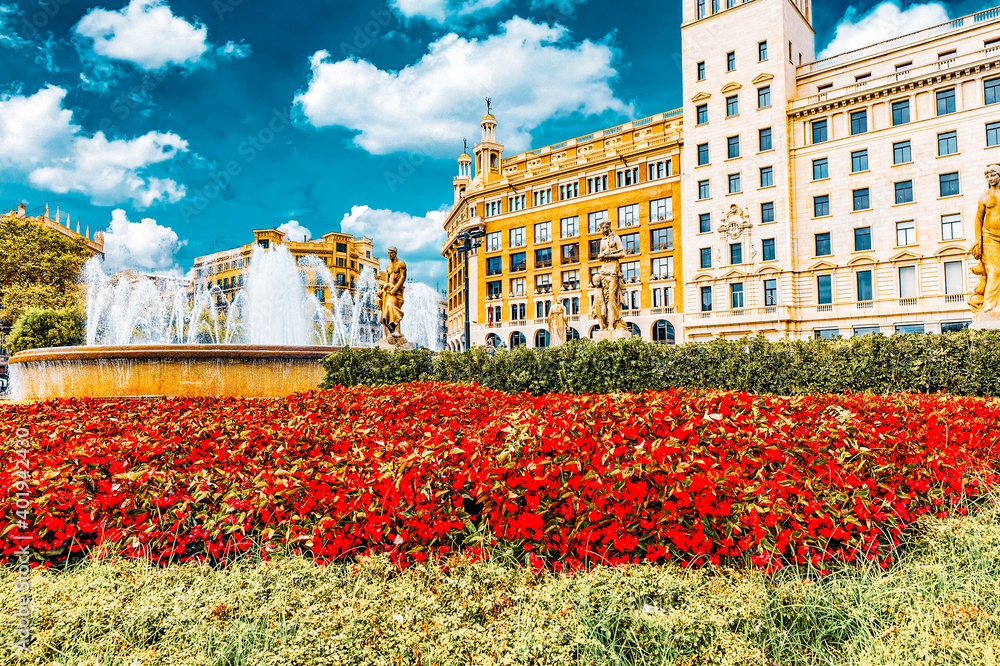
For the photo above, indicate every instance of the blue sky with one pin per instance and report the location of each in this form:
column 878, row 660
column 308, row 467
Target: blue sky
column 179, row 126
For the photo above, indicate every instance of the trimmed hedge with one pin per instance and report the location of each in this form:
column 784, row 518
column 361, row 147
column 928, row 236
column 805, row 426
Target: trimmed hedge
column 960, row 363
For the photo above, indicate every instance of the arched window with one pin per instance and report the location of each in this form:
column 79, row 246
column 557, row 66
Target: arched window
column 542, row 339
column 634, row 330
column 663, row 333
column 572, row 334
column 494, row 338
column 593, row 330
column 517, row 339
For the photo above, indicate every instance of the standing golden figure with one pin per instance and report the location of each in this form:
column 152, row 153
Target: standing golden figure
column 986, row 299
column 608, row 282
column 390, row 300
column 558, row 325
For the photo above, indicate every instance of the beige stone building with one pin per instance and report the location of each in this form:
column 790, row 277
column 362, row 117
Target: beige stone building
column 95, row 244
column 833, row 196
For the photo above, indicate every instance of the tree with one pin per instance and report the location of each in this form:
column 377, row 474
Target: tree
column 38, row 328
column 39, row 267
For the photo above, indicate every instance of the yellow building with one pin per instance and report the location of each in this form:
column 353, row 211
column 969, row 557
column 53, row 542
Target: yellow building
column 95, row 245
column 541, row 211
column 344, row 255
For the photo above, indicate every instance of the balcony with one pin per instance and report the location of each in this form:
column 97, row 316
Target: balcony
column 543, row 289
column 662, row 311
column 490, row 272
column 494, row 297
column 570, row 286
column 629, row 251
column 518, row 268
column 661, row 218
column 655, row 278
column 517, row 294
column 543, row 264
column 889, row 307
column 660, row 247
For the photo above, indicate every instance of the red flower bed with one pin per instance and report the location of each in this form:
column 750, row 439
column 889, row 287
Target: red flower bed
column 421, row 470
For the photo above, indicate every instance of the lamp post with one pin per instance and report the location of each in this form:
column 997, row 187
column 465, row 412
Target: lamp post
column 468, row 241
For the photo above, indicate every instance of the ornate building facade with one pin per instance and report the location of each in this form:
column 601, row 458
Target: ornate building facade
column 95, row 245
column 344, row 255
column 540, row 212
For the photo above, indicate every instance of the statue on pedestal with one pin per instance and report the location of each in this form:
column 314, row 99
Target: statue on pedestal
column 558, row 325
column 608, row 300
column 985, row 302
column 390, row 300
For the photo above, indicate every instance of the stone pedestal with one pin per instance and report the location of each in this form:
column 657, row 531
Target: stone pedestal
column 396, row 342
column 613, row 334
column 986, row 321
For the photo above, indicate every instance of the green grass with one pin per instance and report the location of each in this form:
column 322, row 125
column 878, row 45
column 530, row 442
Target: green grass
column 940, row 604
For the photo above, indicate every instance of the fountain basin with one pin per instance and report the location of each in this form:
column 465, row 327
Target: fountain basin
column 249, row 371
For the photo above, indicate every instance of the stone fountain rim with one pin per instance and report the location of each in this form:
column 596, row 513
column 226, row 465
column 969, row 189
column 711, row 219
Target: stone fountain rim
column 179, row 351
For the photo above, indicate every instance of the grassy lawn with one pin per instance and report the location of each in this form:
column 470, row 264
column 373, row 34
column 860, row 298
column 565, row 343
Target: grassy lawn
column 939, row 604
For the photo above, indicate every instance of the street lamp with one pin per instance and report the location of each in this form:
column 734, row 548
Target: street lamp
column 468, row 242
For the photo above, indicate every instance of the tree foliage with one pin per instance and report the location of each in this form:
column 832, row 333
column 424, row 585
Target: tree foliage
column 39, row 267
column 38, row 328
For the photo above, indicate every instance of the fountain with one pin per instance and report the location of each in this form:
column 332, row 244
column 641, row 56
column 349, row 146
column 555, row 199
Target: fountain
column 146, row 337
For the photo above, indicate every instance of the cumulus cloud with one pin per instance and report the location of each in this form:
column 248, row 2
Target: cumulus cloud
column 294, row 231
column 457, row 11
column 532, row 71
column 9, row 35
column 141, row 246
column 885, row 21
column 38, row 140
column 418, row 239
column 147, row 34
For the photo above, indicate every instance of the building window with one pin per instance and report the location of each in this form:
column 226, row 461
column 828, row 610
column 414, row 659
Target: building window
column 819, row 131
column 770, row 292
column 767, row 176
column 517, row 237
column 631, row 243
column 826, row 333
column 661, row 239
column 906, row 233
column 706, row 299
column 715, row 6
column 663, row 267
column 595, row 250
column 762, row 51
column 516, row 203
column 704, row 191
column 859, row 122
column 824, row 289
column 570, row 253
column 594, row 221
column 733, row 145
column 862, row 239
column 493, row 242
column 821, row 205
column 900, row 112
column 543, row 232
column 736, row 295
column 860, row 331
column 630, row 270
column 904, row 192
column 628, row 177
column 543, row 258
column 661, row 169
column 704, row 223
column 991, row 91
column 769, row 253
column 706, row 257
column 764, row 139
column 767, row 212
column 734, row 183
column 701, row 70
column 732, row 106
column 992, row 134
column 542, row 197
column 823, row 244
column 702, row 154
column 701, row 9
column 954, row 280
column 909, row 329
column 907, row 281
column 901, row 153
column 570, row 279
column 862, row 199
column 569, row 191
column 494, row 289
column 494, row 266
column 597, row 184
column 859, row 161
column 948, row 143
column 518, row 262
column 735, row 254
column 951, row 227
column 660, row 210
column 821, row 168
column 701, row 111
column 953, row 326
column 946, row 101
column 570, row 227
column 731, row 61
column 949, row 184
column 866, row 291
column 764, row 97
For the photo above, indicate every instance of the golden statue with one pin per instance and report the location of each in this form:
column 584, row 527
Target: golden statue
column 608, row 281
column 390, row 299
column 558, row 324
column 986, row 298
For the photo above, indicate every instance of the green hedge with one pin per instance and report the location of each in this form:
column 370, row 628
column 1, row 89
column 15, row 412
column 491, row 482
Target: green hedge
column 39, row 327
column 960, row 363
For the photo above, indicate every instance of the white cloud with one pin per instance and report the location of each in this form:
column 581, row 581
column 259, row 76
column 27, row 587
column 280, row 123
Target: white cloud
column 885, row 21
column 443, row 11
column 142, row 246
column 147, row 34
column 417, row 239
column 564, row 7
column 9, row 36
column 39, row 141
column 294, row 231
column 532, row 71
